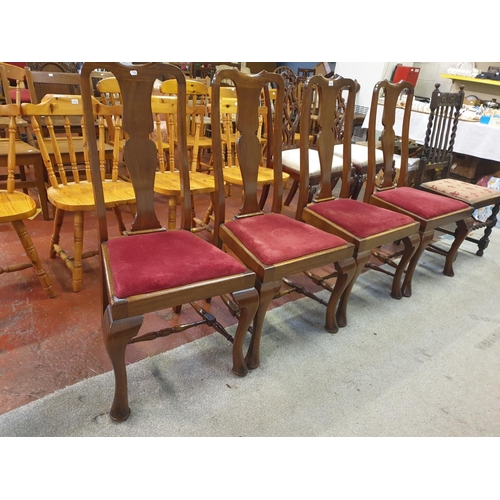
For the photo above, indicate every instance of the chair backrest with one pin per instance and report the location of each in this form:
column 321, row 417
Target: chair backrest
column 41, row 83
column 64, row 151
column 440, row 135
column 197, row 92
column 139, row 152
column 165, row 118
column 109, row 91
column 11, row 111
column 331, row 101
column 391, row 96
column 248, row 147
column 9, row 74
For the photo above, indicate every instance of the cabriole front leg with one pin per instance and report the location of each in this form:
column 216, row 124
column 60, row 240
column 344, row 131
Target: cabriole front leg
column 117, row 335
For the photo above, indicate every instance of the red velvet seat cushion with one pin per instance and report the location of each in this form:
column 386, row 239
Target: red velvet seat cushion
column 274, row 238
column 147, row 263
column 360, row 219
column 421, row 203
column 25, row 95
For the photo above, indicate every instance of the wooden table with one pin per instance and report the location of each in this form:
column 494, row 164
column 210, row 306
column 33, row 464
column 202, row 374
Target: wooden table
column 473, row 138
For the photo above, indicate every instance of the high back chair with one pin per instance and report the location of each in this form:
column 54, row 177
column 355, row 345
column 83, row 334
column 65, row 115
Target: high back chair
column 15, row 206
column 271, row 244
column 167, row 179
column 430, row 210
column 148, row 268
column 435, row 162
column 229, row 133
column 365, row 226
column 291, row 142
column 66, row 154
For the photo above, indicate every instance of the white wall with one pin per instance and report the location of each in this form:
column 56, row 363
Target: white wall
column 367, row 74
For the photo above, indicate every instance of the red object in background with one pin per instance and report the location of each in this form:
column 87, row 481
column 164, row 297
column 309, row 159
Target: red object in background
column 406, row 73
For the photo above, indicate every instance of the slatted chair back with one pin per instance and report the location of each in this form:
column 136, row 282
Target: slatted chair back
column 64, row 152
column 440, row 134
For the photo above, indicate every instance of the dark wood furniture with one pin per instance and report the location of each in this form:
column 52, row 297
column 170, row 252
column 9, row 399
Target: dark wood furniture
column 436, row 159
column 430, row 210
column 365, row 226
column 150, row 268
column 273, row 245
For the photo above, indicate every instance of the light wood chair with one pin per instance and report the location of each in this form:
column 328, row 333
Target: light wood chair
column 68, row 152
column 435, row 162
column 197, row 93
column 17, row 93
column 167, row 179
column 273, row 245
column 41, row 83
column 365, row 226
column 15, row 206
column 149, row 268
column 430, row 210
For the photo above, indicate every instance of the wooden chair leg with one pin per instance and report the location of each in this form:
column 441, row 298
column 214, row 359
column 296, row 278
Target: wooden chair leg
column 267, row 292
column 32, row 254
column 411, row 244
column 172, row 212
column 461, row 232
column 291, row 193
column 361, row 260
column 248, row 302
column 490, row 224
column 56, row 232
column 425, row 240
column 78, row 251
column 346, row 270
column 117, row 335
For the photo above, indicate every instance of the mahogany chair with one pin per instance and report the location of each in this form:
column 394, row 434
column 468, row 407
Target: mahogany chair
column 150, row 268
column 232, row 173
column 167, row 179
column 65, row 154
column 15, row 206
column 430, row 210
column 273, row 245
column 435, row 162
column 291, row 154
column 365, row 226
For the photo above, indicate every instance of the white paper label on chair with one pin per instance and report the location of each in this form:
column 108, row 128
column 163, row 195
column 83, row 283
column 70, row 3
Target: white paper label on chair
column 330, row 83
column 133, row 72
column 74, row 101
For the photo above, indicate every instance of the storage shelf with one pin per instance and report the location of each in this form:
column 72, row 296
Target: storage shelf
column 469, row 79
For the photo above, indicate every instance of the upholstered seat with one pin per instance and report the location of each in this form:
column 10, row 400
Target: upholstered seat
column 469, row 193
column 275, row 238
column 136, row 270
column 420, row 203
column 359, row 154
column 291, row 161
column 360, row 219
